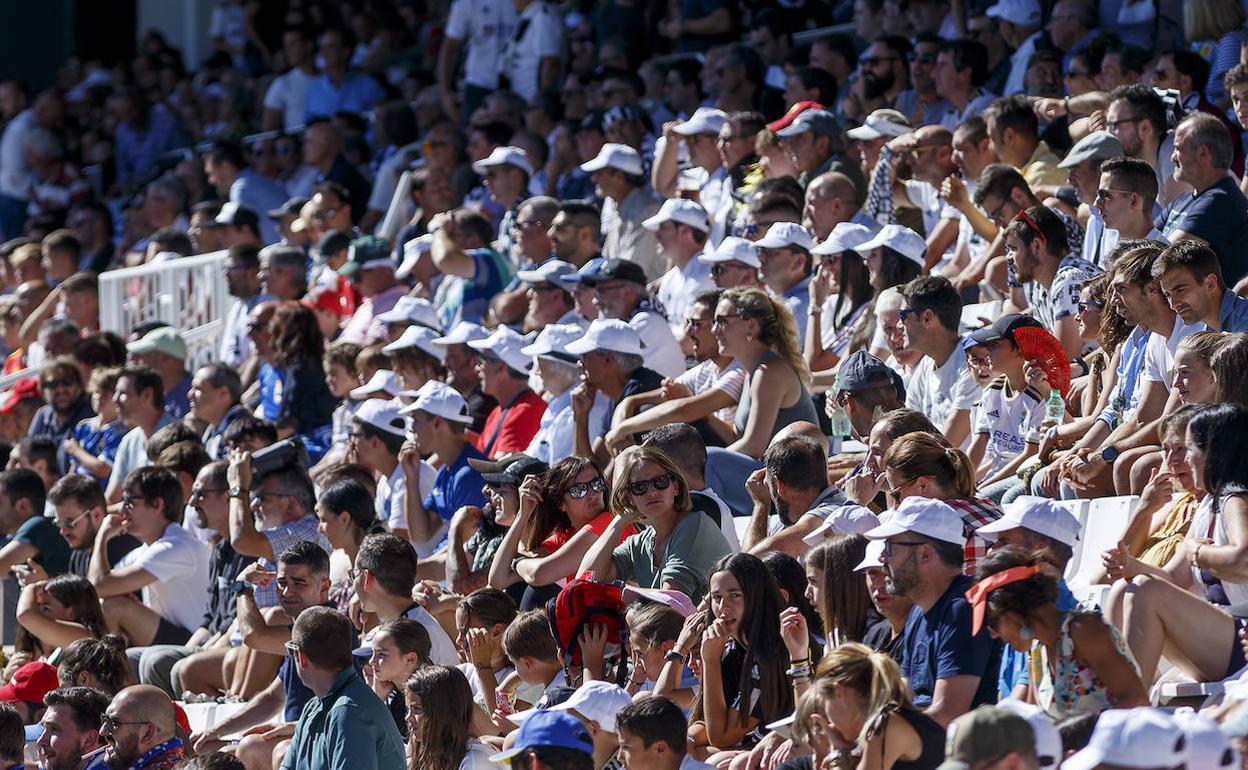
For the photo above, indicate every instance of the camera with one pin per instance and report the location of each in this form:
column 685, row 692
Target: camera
column 284, row 454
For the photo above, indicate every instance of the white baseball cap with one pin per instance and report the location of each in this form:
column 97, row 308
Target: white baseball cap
column 782, row 234
column 843, row 520
column 507, row 344
column 846, row 236
column 1048, row 739
column 440, row 400
column 417, row 336
column 553, row 340
column 923, row 516
column 413, row 250
column 733, row 249
column 382, row 381
column 881, row 123
column 1142, row 737
column 1037, row 514
column 597, row 700
column 874, row 557
column 551, row 271
column 902, row 240
column 704, row 120
column 681, row 210
column 607, row 334
column 505, row 156
column 1022, row 13
column 1207, row 746
column 382, row 415
column 617, row 156
column 412, row 310
column 463, row 333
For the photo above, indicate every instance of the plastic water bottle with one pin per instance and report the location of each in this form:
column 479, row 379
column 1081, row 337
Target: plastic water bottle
column 1054, row 409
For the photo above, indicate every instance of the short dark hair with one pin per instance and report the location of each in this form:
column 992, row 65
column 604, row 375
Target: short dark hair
column 249, row 426
column 86, row 704
column 969, row 54
column 247, row 256
column 332, row 634
column 83, row 490
column 1000, row 180
column 40, row 448
column 81, row 282
column 1136, row 263
column 1144, row 103
column 1237, row 75
column 12, row 734
column 213, row 760
column 557, row 758
column 1196, row 256
column 145, row 379
column 655, row 718
column 1134, row 175
column 682, row 442
column 173, row 433
column 222, row 375
column 391, row 561
column 797, row 461
column 187, row 457
column 495, row 131
column 225, row 151
column 293, row 480
column 1040, row 221
column 393, row 442
column 935, row 293
column 155, row 483
column 308, row 554
column 23, row 484
column 1013, row 112
column 1193, row 65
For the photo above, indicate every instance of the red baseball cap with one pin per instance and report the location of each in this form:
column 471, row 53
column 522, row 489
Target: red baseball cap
column 31, row 682
column 792, row 113
column 325, row 298
column 27, row 387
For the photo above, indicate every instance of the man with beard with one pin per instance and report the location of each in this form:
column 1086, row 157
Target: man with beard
column 950, row 670
column 882, row 75
column 1137, row 117
column 620, row 287
column 574, row 233
column 80, row 509
column 60, row 382
column 71, row 728
column 812, row 142
column 242, row 281
column 923, row 103
column 139, row 730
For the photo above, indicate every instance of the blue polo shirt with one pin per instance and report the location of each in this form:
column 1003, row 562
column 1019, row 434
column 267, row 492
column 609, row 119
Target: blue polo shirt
column 938, row 645
column 456, row 485
column 1233, row 314
column 358, row 93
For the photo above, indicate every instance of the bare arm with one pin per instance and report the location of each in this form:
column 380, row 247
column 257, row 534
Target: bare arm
column 50, row 633
column 421, row 523
column 939, row 241
column 952, row 697
column 113, row 582
column 664, row 173
column 1095, row 648
column 459, row 573
column 256, row 631
column 34, row 322
column 448, row 257
column 958, row 427
column 791, row 539
column 546, row 570
column 767, row 389
column 598, row 559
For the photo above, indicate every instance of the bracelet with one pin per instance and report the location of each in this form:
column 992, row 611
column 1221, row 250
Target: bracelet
column 1196, row 555
column 798, row 672
column 806, row 661
column 675, row 656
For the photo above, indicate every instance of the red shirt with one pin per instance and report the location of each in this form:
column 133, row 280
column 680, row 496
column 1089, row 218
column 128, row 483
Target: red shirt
column 555, row 540
column 511, row 428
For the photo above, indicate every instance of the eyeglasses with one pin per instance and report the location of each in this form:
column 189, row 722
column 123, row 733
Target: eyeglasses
column 324, row 214
column 61, row 524
column 531, row 223
column 639, row 488
column 1104, row 194
column 1024, row 217
column 1112, row 125
column 111, row 722
column 292, row 647
column 578, row 491
column 728, row 139
column 896, row 491
column 719, row 268
column 128, row 500
column 889, row 545
column 696, row 323
column 906, row 312
column 259, row 497
column 201, row 492
column 1090, row 305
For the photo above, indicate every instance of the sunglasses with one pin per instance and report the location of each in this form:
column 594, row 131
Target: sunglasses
column 639, row 488
column 71, row 523
column 1091, row 305
column 578, row 491
column 63, row 382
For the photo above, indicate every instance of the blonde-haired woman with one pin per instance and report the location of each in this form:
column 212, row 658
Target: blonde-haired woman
column 678, row 545
column 924, row 465
column 859, row 701
column 1215, row 30
column 759, row 332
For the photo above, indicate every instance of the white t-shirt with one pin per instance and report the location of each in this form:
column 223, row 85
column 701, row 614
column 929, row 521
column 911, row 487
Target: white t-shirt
column 939, row 392
column 1159, row 351
column 442, row 652
column 542, row 37
column 179, row 562
column 289, row 93
column 485, row 26
column 391, row 504
column 478, row 757
column 1010, row 420
column 679, row 287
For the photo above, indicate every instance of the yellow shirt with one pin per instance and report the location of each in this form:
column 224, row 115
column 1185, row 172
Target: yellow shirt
column 1041, row 169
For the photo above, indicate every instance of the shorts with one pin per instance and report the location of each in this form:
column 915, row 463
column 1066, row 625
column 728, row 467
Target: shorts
column 170, row 633
column 1238, row 660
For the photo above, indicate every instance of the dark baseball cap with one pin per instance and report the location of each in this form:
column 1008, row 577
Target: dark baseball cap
column 863, row 371
column 1004, row 327
column 508, row 469
column 290, row 208
column 611, row 270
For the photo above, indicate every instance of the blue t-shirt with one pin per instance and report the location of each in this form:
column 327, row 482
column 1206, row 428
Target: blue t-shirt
column 938, row 645
column 100, row 442
column 456, row 485
column 178, row 399
column 468, row 299
column 358, row 93
column 271, row 387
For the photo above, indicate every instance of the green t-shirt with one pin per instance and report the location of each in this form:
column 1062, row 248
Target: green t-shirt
column 53, row 552
column 695, row 545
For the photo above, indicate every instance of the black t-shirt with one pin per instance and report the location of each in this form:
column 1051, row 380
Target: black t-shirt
column 80, row 558
column 224, row 564
column 731, row 664
column 879, row 636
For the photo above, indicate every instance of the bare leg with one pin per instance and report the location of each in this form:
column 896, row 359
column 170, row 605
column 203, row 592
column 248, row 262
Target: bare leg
column 202, row 672
column 1123, row 467
column 259, row 674
column 1143, row 470
column 997, row 273
column 132, row 620
column 279, row 753
column 1162, row 618
column 255, row 752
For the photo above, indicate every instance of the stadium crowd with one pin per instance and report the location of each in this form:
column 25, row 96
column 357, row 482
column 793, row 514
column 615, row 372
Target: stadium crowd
column 764, row 385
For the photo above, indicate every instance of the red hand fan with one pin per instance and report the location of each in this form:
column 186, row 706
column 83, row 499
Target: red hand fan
column 1043, row 349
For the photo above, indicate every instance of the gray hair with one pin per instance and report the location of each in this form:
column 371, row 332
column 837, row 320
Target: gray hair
column 628, row 362
column 288, row 256
column 1209, row 132
column 889, row 300
column 222, row 375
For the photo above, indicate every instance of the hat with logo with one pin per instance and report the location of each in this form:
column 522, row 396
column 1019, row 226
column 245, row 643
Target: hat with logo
column 862, row 371
column 548, row 728
column 1142, row 737
column 504, row 156
column 382, row 414
column 382, row 381
column 511, row 468
column 681, row 211
column 1035, row 514
column 879, row 124
column 164, row 339
column 620, row 157
column 704, row 120
column 733, row 249
column 440, row 400
column 506, row 343
column 846, row 236
column 900, row 239
column 786, row 235
column 923, row 516
column 1004, row 327
column 608, row 334
column 984, row 734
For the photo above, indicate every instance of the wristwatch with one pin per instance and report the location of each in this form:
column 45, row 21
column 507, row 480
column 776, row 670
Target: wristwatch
column 1109, row 454
column 238, row 492
column 242, row 586
column 674, row 657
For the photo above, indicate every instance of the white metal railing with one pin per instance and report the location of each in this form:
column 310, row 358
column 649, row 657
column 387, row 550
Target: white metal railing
column 188, row 293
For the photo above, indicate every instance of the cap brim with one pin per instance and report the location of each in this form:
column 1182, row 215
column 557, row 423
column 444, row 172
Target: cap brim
column 886, row 530
column 652, row 224
column 590, row 166
column 537, row 349
column 362, row 652
column 985, row 335
column 1003, row 524
column 863, row 133
column 582, row 346
column 1085, row 759
column 792, row 130
column 953, row 764
column 364, row 391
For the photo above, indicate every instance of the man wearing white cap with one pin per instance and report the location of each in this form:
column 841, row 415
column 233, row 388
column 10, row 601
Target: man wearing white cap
column 504, row 371
column 550, row 300
column 889, row 633
column 734, row 264
column 950, row 670
column 1143, row 738
column 163, row 351
column 407, row 311
column 474, row 271
column 619, row 175
column 612, row 363
column 1018, row 21
column 507, row 171
column 784, row 253
column 461, row 369
column 831, row 337
column 557, row 370
column 438, row 419
column 376, row 437
column 699, row 135
column 681, row 227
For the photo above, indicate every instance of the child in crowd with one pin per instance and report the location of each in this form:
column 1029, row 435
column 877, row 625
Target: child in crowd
column 341, row 376
column 400, row 647
column 528, row 643
column 94, row 444
column 652, row 633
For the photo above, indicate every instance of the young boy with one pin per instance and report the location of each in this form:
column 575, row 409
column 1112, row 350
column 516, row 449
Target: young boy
column 528, row 643
column 651, row 734
column 341, row 376
column 1008, row 430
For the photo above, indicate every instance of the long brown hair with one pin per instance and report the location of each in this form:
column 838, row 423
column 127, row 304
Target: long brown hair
column 296, row 335
column 443, row 738
column 843, row 597
column 550, row 516
column 776, row 327
column 926, row 454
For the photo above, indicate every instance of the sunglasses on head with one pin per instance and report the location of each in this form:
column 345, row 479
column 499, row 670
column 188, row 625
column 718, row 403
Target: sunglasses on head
column 578, row 491
column 639, row 488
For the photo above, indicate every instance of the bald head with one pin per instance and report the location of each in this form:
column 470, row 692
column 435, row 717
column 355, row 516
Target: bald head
column 801, row 428
column 147, row 703
column 933, row 136
column 834, row 184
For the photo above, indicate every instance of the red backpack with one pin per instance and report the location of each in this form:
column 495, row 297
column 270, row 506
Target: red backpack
column 579, row 604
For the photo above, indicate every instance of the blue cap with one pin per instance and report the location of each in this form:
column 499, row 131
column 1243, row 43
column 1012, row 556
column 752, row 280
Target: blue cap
column 589, row 268
column 555, row 729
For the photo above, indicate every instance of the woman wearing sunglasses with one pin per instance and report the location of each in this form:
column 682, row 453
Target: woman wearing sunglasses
column 678, row 545
column 562, row 513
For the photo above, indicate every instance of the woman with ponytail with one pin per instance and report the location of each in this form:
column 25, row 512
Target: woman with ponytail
column 346, row 515
column 759, row 332
column 924, row 465
column 858, row 703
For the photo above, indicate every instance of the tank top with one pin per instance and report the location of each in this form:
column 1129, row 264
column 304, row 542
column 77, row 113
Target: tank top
column 802, row 409
column 931, row 736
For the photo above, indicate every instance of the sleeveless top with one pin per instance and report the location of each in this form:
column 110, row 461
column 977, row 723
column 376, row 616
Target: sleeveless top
column 1159, row 548
column 1067, row 687
column 802, row 409
column 931, row 736
column 1206, row 524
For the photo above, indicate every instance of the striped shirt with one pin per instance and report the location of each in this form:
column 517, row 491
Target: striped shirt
column 975, row 513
